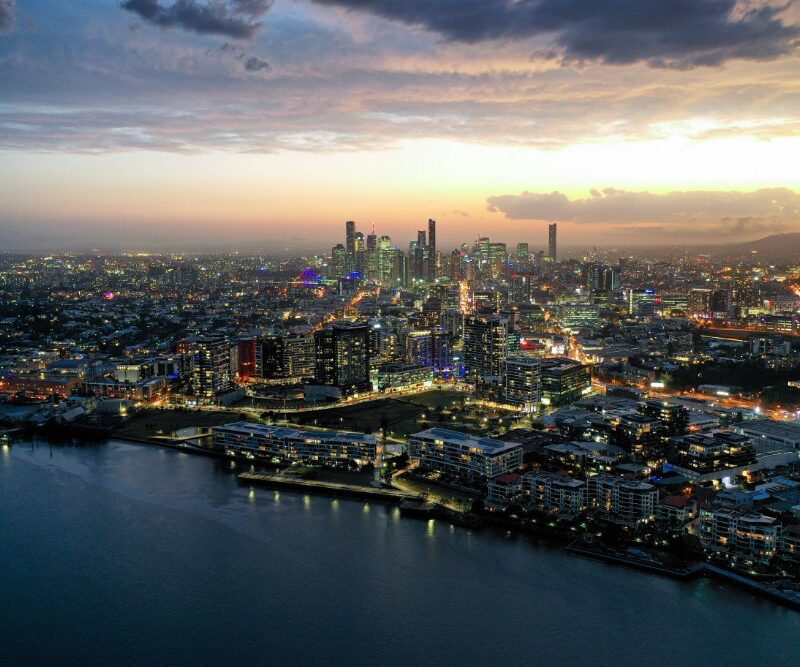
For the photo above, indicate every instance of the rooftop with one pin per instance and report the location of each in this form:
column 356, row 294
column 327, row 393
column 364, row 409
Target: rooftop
column 488, row 445
column 295, row 433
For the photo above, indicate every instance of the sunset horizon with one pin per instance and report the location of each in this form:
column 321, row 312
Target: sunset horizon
column 159, row 124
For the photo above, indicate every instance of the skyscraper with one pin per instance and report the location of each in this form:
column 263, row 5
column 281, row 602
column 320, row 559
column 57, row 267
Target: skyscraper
column 552, row 247
column 432, row 250
column 385, row 258
column 523, row 252
column 338, row 261
column 360, row 254
column 350, row 236
column 372, row 256
column 600, row 277
column 456, row 265
column 418, row 257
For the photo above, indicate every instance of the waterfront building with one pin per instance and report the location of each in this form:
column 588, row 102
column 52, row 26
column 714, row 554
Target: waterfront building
column 556, row 494
column 622, row 500
column 502, row 490
column 676, row 511
column 463, row 456
column 740, row 533
column 288, row 445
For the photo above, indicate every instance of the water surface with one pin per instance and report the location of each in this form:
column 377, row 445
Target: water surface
column 136, row 555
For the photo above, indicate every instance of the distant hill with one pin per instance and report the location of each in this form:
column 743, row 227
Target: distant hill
column 779, row 246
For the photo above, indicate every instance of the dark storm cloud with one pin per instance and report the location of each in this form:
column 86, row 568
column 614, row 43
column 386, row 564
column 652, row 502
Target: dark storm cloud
column 6, row 15
column 232, row 18
column 663, row 33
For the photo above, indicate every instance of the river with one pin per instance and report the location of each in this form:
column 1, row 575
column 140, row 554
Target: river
column 137, row 555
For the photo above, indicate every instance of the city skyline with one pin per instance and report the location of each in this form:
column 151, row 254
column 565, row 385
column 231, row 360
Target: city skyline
column 154, row 124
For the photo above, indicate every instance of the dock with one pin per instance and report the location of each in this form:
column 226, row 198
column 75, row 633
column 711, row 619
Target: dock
column 787, row 598
column 378, row 493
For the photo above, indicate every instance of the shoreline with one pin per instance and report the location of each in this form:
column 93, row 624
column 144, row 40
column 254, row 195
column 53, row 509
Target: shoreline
column 414, row 506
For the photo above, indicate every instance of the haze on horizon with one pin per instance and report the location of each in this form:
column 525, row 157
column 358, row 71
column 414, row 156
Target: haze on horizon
column 191, row 123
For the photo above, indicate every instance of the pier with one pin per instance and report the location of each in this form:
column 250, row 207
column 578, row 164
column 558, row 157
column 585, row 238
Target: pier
column 340, row 489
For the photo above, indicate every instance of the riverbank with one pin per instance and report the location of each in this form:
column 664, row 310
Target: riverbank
column 415, row 505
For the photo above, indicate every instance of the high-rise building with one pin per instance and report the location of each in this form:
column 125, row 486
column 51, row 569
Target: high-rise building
column 552, row 248
column 498, row 258
column 599, row 277
column 372, row 257
column 249, row 357
column 299, row 355
column 523, row 252
column 360, row 254
column 521, row 287
column 273, row 355
column 430, row 348
column 485, row 350
column 699, row 302
column 480, row 254
column 523, row 387
column 343, row 356
column 564, row 381
column 211, row 373
column 338, row 261
column 419, row 257
column 350, row 247
column 456, row 265
column 350, row 236
column 385, row 258
column 432, row 263
column 399, row 269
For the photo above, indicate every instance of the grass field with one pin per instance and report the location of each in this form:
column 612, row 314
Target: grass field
column 151, row 423
column 402, row 415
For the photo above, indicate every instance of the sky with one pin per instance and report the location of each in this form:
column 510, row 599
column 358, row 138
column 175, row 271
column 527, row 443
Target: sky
column 268, row 123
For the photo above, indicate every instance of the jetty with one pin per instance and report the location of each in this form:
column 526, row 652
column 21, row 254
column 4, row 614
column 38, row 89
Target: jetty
column 357, row 491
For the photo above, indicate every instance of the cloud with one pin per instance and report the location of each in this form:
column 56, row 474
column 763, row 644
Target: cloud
column 7, row 8
column 236, row 19
column 663, row 33
column 256, row 64
column 250, row 62
column 701, row 210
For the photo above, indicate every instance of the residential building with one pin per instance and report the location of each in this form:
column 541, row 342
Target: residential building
column 289, row 445
column 463, row 456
